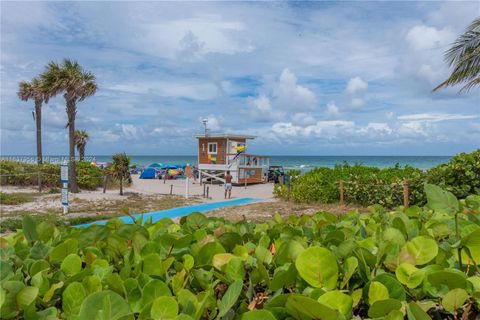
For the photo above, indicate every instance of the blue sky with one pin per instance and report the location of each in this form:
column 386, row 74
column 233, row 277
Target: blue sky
column 316, row 78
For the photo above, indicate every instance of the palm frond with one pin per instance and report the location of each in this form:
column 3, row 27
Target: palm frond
column 464, row 57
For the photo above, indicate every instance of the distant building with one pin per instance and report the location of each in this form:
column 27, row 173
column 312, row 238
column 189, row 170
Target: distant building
column 218, row 153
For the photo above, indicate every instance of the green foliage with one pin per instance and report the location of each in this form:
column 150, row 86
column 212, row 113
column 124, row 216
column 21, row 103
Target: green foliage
column 15, row 198
column 370, row 185
column 395, row 264
column 25, row 174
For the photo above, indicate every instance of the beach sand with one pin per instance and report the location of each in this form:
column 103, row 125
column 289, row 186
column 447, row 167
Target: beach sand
column 144, row 195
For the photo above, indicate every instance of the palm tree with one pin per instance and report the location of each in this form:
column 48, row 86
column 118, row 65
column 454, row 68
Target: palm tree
column 119, row 168
column 76, row 84
column 81, row 138
column 464, row 57
column 34, row 90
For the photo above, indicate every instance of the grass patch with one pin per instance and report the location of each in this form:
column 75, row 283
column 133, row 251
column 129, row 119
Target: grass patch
column 16, row 198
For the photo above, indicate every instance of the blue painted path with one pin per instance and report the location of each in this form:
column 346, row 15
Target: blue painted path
column 179, row 211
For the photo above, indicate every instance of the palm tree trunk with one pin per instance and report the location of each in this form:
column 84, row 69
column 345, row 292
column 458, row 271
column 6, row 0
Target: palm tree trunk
column 81, row 151
column 121, row 185
column 71, row 112
column 38, row 120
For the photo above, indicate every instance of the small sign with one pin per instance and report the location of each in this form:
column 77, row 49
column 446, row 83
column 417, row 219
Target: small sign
column 188, row 171
column 64, row 172
column 65, row 197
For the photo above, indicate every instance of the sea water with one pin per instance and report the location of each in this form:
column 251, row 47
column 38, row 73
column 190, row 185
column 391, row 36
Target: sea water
column 304, row 163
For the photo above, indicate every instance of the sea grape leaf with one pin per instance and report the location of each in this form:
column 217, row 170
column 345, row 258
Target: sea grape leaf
column 188, row 261
column 62, row 250
column 381, row 308
column 206, row 253
column 196, row 220
column 154, row 289
column 376, row 292
column 288, row 252
column 414, row 312
column 235, row 269
column 423, row 249
column 395, row 288
column 349, row 267
column 105, row 304
column 473, row 202
column 441, row 200
column 164, row 308
column 71, row 265
column 409, row 275
column 230, row 297
column 338, row 301
column 305, row 308
column 45, row 230
column 29, row 228
column 152, row 264
column 49, row 294
column 72, row 298
column 445, row 280
column 221, row 259
column 258, row 314
column 454, row 299
column 26, row 296
column 318, row 267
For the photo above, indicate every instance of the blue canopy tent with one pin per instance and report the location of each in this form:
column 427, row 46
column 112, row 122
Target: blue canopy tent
column 148, row 173
column 168, row 166
column 155, row 165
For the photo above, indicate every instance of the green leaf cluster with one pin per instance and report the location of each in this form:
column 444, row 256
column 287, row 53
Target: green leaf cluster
column 415, row 263
column 366, row 185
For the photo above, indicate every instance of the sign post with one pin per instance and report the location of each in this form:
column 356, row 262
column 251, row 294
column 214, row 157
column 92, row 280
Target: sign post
column 188, row 172
column 64, row 180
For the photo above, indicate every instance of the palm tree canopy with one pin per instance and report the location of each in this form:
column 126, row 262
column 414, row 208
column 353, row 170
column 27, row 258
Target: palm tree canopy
column 81, row 138
column 33, row 90
column 71, row 78
column 120, row 166
column 464, row 57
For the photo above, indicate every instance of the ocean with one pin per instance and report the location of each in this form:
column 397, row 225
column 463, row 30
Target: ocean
column 304, row 163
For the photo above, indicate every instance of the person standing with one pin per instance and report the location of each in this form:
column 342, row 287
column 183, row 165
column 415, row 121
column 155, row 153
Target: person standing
column 228, row 184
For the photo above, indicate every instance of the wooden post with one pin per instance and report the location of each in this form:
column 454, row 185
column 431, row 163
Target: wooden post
column 204, row 187
column 39, row 181
column 208, row 189
column 405, row 193
column 342, row 196
column 104, row 183
column 171, row 189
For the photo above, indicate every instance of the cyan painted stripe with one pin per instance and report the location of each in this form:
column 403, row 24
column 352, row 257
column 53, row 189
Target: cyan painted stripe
column 178, row 212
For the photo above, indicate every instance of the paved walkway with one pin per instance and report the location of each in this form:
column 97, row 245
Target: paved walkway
column 179, row 211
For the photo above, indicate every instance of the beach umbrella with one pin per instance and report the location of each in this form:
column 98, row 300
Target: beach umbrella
column 155, row 165
column 173, row 172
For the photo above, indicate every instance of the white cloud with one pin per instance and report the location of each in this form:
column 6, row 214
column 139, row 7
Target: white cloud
column 422, row 37
column 332, row 110
column 214, row 122
column 262, row 109
column 303, row 118
column 356, row 85
column 290, row 95
column 381, row 128
column 357, row 102
column 435, row 117
column 197, row 90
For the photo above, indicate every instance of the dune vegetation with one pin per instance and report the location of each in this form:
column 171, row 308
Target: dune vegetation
column 414, row 262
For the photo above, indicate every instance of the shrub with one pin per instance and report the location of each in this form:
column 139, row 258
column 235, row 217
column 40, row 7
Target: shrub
column 408, row 263
column 369, row 185
column 15, row 198
column 461, row 175
column 25, row 174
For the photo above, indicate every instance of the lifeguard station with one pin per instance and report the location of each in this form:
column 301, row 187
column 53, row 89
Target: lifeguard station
column 218, row 153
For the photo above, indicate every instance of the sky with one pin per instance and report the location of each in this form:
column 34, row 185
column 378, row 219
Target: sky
column 307, row 78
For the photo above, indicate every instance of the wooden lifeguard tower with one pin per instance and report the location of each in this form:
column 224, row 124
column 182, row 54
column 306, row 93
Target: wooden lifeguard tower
column 218, row 153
